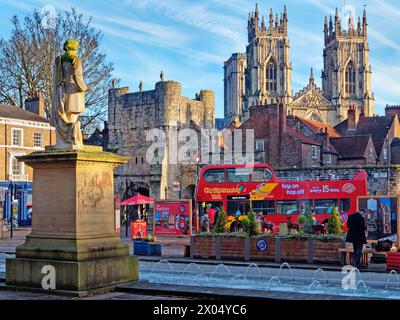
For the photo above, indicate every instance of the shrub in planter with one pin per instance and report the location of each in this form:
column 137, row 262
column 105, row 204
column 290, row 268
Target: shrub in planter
column 308, row 221
column 253, row 226
column 224, row 235
column 305, row 236
column 301, row 220
column 219, row 226
column 335, row 223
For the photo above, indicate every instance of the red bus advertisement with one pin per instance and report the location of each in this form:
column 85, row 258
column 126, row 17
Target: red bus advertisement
column 237, row 187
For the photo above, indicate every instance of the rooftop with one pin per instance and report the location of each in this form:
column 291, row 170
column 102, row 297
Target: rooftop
column 13, row 112
column 351, row 146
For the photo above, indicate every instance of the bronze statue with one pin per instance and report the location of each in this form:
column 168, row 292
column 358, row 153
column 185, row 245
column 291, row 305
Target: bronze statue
column 68, row 100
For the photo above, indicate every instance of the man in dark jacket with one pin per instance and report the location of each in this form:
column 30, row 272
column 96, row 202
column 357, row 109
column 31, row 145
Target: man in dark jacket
column 356, row 235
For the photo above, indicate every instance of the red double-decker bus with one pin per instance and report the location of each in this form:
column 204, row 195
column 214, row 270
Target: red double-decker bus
column 237, row 187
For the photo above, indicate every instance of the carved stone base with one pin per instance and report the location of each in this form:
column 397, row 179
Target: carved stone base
column 73, row 223
column 70, row 275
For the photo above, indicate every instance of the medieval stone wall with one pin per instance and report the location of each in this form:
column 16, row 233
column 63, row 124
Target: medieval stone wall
column 133, row 114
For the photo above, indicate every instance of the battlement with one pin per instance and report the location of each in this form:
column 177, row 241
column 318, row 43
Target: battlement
column 392, row 107
column 118, row 91
column 169, row 86
column 392, row 110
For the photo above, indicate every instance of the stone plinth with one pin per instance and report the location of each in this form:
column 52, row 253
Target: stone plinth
column 73, row 223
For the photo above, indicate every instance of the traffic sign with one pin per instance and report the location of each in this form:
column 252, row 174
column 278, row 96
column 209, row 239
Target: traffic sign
column 176, row 186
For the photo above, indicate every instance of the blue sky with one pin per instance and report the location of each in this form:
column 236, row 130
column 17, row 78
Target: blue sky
column 189, row 40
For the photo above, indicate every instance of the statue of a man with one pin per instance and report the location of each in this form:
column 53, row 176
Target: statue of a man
column 68, row 100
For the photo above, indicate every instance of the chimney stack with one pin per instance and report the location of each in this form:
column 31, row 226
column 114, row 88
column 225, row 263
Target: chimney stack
column 353, row 116
column 282, row 116
column 35, row 104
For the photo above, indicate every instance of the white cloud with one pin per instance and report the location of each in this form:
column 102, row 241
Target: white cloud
column 199, row 16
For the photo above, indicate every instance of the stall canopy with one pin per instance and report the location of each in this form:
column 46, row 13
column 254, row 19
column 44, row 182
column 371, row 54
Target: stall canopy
column 137, row 199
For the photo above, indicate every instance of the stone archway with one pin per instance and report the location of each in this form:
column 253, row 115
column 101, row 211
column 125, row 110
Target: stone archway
column 188, row 192
column 134, row 187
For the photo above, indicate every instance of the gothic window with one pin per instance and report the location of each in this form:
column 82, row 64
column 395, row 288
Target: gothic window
column 271, row 76
column 350, row 79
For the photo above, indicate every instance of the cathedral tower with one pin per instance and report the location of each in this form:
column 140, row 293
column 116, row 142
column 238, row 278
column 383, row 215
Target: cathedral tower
column 346, row 78
column 268, row 71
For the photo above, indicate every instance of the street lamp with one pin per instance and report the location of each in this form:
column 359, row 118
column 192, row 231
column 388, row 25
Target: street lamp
column 197, row 159
column 12, row 192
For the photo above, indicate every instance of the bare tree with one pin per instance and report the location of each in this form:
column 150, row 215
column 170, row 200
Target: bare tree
column 27, row 60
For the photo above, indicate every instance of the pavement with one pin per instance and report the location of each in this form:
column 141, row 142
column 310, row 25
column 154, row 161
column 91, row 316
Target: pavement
column 173, row 252
column 6, row 294
column 8, row 244
column 172, row 246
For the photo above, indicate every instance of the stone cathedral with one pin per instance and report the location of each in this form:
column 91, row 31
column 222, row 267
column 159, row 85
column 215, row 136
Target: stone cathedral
column 264, row 73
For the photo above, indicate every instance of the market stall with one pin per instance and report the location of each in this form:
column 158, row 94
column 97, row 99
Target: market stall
column 138, row 227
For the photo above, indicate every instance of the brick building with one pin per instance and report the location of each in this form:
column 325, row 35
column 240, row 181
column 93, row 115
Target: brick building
column 287, row 141
column 22, row 132
column 381, row 129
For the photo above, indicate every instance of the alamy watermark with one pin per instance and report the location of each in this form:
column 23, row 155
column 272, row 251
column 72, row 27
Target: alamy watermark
column 49, row 280
column 49, row 16
column 349, row 281
column 348, row 13
column 208, row 146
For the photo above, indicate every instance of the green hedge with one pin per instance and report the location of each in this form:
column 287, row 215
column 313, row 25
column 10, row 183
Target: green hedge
column 301, row 236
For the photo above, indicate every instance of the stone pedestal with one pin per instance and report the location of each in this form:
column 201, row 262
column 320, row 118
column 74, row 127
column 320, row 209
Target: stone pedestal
column 73, row 227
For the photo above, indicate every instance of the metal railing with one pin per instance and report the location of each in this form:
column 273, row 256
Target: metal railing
column 318, row 178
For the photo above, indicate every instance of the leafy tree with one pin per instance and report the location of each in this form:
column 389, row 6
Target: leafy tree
column 335, row 223
column 27, row 61
column 219, row 226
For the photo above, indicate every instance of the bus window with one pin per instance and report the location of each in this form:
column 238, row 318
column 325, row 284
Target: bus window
column 238, row 175
column 325, row 205
column 288, row 207
column 238, row 205
column 306, row 204
column 345, row 205
column 262, row 175
column 264, row 206
column 215, row 176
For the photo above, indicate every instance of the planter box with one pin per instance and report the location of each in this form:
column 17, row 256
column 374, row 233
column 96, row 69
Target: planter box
column 204, row 247
column 232, row 248
column 294, row 250
column 326, row 251
column 266, row 249
column 257, row 252
column 146, row 248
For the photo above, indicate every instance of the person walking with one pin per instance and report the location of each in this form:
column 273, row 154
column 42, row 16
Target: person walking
column 211, row 216
column 356, row 235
